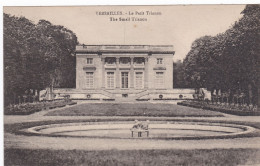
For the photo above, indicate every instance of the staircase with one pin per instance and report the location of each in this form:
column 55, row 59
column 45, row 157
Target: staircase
column 108, row 94
column 125, row 99
column 118, row 95
column 141, row 94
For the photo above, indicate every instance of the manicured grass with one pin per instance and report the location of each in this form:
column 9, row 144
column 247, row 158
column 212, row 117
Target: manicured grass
column 214, row 157
column 136, row 109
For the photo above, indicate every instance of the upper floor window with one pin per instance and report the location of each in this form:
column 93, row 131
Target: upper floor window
column 89, row 61
column 110, row 60
column 124, row 60
column 159, row 60
column 139, row 60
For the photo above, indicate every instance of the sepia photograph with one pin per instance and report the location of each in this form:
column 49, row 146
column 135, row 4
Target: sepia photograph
column 131, row 85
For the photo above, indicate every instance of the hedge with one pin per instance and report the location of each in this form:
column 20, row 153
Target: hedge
column 230, row 110
column 30, row 108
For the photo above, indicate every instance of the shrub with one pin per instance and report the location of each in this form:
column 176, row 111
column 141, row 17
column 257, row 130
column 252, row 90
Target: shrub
column 170, row 99
column 142, row 99
column 86, row 99
column 228, row 109
column 109, row 99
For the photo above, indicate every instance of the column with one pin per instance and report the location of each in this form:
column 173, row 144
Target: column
column 103, row 73
column 117, row 73
column 132, row 72
column 146, row 73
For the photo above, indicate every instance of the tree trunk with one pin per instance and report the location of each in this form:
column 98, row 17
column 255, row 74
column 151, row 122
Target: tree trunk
column 258, row 104
column 258, row 86
column 37, row 95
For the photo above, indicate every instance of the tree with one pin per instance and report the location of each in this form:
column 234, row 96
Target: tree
column 178, row 75
column 228, row 61
column 16, row 31
column 36, row 56
column 58, row 54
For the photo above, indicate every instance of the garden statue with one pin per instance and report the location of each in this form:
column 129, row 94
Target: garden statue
column 140, row 127
column 136, row 125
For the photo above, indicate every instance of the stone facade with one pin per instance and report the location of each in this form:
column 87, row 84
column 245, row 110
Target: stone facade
column 123, row 71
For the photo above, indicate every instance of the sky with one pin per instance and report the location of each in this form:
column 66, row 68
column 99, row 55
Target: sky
column 177, row 25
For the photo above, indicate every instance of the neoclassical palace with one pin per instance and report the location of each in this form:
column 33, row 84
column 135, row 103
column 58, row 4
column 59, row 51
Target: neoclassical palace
column 123, row 71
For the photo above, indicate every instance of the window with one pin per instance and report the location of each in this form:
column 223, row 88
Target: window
column 159, row 80
column 110, row 80
column 159, row 61
column 110, row 60
column 89, row 80
column 89, row 61
column 124, row 79
column 139, row 80
column 139, row 61
column 124, row 61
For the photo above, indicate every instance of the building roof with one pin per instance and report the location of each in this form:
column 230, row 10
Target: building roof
column 99, row 49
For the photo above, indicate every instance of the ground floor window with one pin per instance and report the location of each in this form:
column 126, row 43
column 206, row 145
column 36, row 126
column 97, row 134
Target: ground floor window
column 124, row 79
column 110, row 80
column 159, row 80
column 89, row 80
column 139, row 80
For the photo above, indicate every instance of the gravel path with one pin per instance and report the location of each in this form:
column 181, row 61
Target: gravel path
column 36, row 142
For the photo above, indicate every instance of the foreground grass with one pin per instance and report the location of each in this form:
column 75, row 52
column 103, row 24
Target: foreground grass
column 136, row 109
column 221, row 157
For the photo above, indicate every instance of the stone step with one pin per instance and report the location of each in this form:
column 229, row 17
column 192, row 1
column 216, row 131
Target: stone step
column 125, row 99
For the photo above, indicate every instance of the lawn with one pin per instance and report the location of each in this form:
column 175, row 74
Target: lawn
column 214, row 157
column 136, row 109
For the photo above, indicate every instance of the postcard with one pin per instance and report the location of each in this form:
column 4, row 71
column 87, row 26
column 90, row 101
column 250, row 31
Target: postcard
column 131, row 85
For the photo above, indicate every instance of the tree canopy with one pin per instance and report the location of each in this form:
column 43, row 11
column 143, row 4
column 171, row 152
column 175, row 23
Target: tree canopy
column 36, row 56
column 178, row 76
column 230, row 60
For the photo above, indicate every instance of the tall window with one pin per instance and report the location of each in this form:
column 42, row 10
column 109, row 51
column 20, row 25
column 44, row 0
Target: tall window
column 110, row 80
column 159, row 61
column 139, row 80
column 89, row 61
column 159, row 80
column 89, row 80
column 124, row 78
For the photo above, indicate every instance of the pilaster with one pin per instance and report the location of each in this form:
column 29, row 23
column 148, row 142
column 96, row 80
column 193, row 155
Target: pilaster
column 146, row 73
column 132, row 72
column 117, row 74
column 103, row 73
